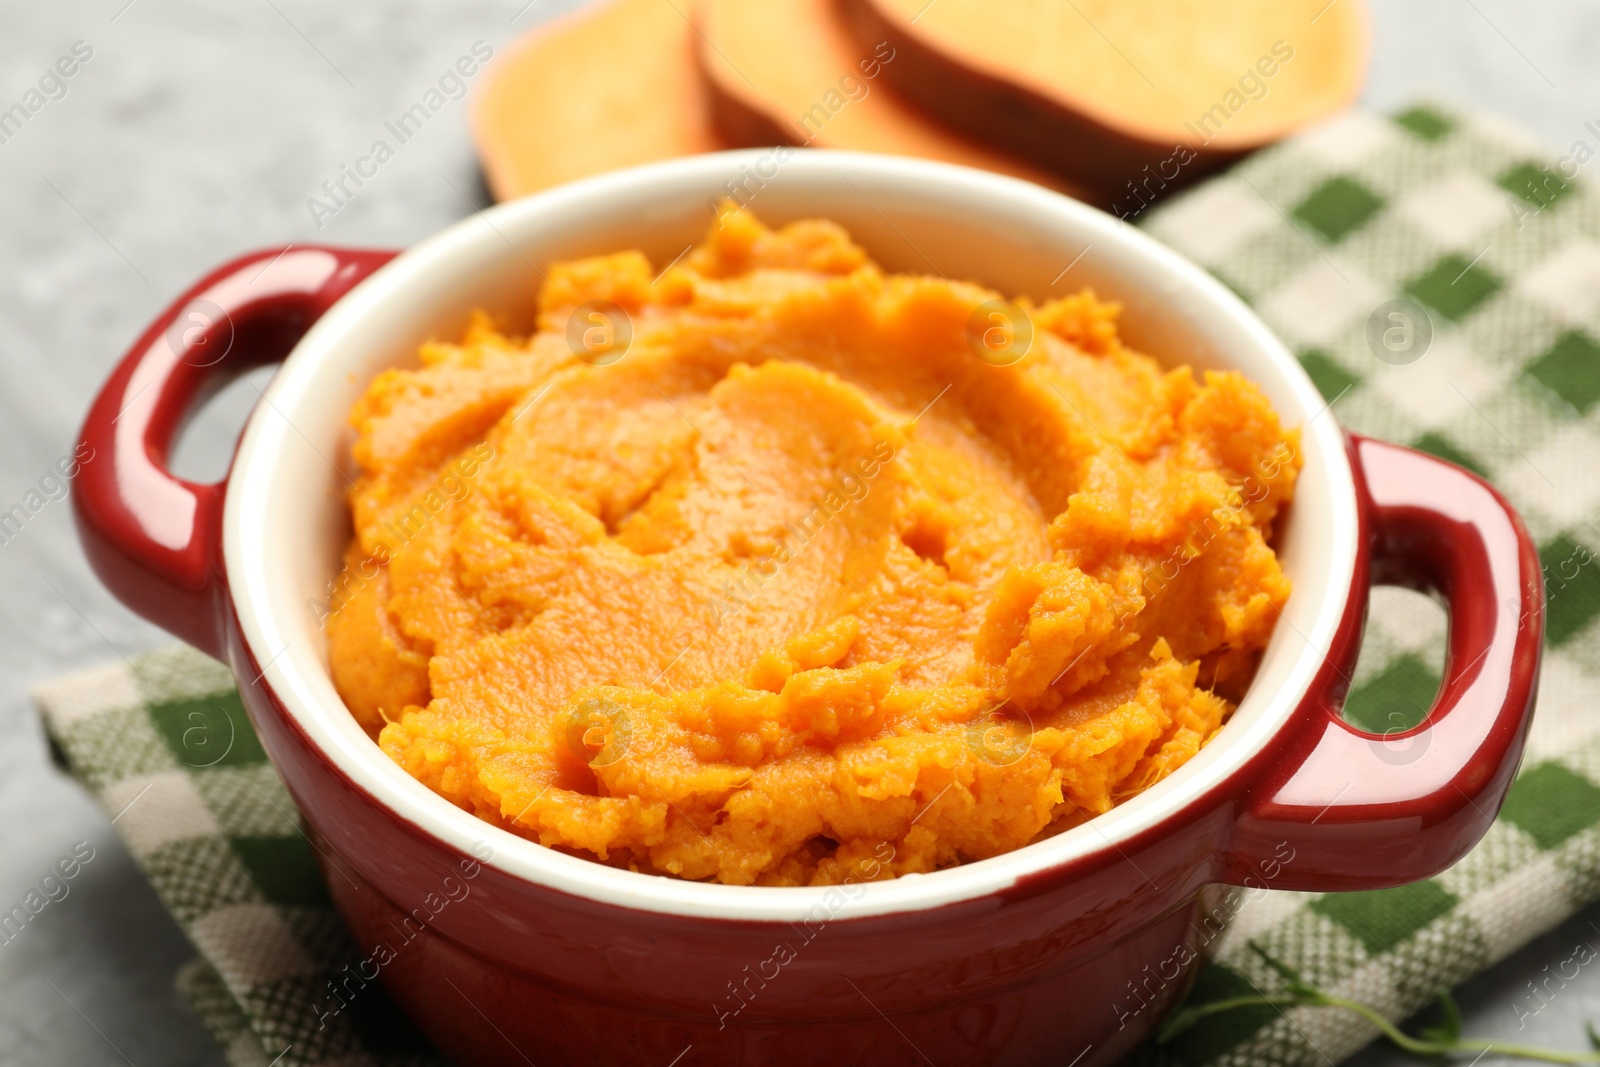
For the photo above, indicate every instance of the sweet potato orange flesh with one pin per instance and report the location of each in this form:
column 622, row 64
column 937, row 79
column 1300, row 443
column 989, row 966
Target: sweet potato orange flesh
column 1099, row 89
column 611, row 86
column 788, row 72
column 802, row 581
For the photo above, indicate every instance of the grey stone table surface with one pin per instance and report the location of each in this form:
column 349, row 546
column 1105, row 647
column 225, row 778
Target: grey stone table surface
column 196, row 131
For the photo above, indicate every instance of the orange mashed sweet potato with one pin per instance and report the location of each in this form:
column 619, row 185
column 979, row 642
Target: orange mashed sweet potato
column 760, row 574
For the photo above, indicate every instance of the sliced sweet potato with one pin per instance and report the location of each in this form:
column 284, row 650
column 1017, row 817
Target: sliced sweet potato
column 610, row 86
column 788, row 72
column 1099, row 90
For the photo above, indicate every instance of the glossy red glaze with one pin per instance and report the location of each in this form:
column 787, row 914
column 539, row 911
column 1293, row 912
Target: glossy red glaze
column 1083, row 956
column 1366, row 813
column 156, row 539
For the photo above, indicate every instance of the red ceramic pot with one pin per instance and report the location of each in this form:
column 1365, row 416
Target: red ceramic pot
column 1066, row 951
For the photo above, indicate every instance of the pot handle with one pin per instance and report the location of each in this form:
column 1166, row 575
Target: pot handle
column 155, row 539
column 1336, row 808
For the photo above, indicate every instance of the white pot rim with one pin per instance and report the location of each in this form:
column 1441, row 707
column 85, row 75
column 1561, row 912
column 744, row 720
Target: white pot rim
column 272, row 500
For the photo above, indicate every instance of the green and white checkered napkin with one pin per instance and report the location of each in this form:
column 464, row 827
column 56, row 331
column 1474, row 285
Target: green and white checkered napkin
column 1453, row 212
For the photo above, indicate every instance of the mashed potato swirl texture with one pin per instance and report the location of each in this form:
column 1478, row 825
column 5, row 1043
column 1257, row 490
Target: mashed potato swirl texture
column 774, row 581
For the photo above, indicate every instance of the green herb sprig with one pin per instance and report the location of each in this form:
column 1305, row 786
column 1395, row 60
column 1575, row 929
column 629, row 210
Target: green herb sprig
column 1435, row 1042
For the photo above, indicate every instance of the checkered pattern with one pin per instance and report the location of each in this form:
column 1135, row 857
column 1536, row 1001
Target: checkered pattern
column 1452, row 212
column 1463, row 217
column 163, row 742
